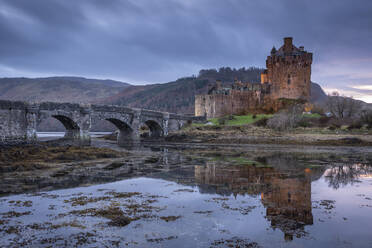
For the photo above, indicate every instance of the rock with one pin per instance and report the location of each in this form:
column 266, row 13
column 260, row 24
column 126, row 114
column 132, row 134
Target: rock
column 120, row 221
column 351, row 140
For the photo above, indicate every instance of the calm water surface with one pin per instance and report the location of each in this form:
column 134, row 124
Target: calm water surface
column 56, row 135
column 205, row 200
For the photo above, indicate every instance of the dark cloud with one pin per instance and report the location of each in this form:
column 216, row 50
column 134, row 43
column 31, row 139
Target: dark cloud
column 158, row 41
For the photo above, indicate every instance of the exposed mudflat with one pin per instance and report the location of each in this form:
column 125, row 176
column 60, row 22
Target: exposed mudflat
column 186, row 195
column 257, row 135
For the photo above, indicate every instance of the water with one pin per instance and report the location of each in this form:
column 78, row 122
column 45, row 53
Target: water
column 49, row 134
column 55, row 135
column 209, row 198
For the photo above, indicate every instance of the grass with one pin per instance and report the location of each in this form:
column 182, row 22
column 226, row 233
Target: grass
column 240, row 120
column 312, row 115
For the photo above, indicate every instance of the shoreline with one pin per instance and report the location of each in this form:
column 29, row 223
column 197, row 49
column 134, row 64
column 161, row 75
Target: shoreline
column 255, row 135
column 44, row 167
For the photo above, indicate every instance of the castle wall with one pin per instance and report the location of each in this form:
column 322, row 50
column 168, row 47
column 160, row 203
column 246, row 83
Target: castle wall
column 288, row 76
column 289, row 72
column 237, row 103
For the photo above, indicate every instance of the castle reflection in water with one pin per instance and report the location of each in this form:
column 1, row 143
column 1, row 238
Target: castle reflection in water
column 286, row 194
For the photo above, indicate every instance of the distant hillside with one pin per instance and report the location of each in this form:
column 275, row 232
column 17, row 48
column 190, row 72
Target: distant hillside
column 58, row 89
column 179, row 96
column 318, row 96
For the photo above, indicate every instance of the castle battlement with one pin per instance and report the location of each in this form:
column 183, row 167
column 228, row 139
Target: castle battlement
column 287, row 76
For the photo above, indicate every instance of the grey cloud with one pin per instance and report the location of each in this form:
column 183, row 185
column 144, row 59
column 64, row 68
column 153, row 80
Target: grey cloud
column 158, row 41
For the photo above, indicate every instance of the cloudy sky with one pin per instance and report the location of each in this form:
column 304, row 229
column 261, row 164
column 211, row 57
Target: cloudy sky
column 152, row 41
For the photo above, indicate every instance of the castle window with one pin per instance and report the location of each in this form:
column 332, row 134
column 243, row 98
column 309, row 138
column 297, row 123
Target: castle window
column 289, row 81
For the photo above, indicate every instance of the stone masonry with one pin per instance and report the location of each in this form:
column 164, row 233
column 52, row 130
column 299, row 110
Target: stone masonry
column 18, row 121
column 288, row 76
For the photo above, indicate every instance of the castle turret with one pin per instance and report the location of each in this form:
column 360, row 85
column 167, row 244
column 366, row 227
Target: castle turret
column 289, row 71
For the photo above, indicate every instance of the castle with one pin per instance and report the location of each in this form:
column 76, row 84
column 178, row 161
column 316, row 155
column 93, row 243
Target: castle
column 287, row 76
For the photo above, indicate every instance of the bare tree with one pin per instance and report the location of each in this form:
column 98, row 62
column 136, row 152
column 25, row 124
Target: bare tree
column 342, row 106
column 342, row 175
column 286, row 119
column 366, row 117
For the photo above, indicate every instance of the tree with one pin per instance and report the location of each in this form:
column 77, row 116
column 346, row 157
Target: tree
column 342, row 106
column 342, row 175
column 366, row 117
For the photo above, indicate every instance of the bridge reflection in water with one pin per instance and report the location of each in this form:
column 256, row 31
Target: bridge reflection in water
column 286, row 195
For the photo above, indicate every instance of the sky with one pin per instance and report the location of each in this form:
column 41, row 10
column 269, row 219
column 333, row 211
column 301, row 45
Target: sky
column 157, row 41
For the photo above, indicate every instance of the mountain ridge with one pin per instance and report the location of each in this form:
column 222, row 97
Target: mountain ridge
column 179, row 96
column 176, row 96
column 58, row 89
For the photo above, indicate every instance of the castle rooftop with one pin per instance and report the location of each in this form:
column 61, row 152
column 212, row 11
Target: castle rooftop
column 288, row 49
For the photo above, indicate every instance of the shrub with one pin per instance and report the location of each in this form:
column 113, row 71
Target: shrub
column 261, row 122
column 323, row 120
column 366, row 117
column 334, row 126
column 221, row 121
column 306, row 122
column 254, row 116
column 318, row 110
column 355, row 125
column 331, row 128
column 286, row 119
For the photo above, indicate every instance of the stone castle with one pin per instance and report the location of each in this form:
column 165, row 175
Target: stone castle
column 287, row 76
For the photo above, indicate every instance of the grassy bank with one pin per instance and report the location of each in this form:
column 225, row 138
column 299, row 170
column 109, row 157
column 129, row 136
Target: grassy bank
column 241, row 120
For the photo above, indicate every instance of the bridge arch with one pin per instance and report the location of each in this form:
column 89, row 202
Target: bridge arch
column 155, row 128
column 126, row 133
column 121, row 125
column 57, row 122
column 67, row 122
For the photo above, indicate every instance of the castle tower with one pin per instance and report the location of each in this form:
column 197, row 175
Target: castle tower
column 288, row 71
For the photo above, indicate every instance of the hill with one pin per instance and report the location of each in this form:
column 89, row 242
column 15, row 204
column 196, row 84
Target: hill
column 179, row 96
column 58, row 89
column 318, row 96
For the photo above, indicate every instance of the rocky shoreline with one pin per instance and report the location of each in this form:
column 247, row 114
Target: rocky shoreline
column 257, row 135
column 46, row 166
column 55, row 164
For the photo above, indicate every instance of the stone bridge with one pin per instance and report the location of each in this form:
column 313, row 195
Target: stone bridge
column 18, row 121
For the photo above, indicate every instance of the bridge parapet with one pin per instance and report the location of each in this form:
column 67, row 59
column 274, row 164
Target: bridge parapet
column 18, row 120
column 113, row 108
column 4, row 105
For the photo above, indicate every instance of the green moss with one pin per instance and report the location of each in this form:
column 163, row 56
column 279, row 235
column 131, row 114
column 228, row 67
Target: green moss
column 315, row 115
column 240, row 120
